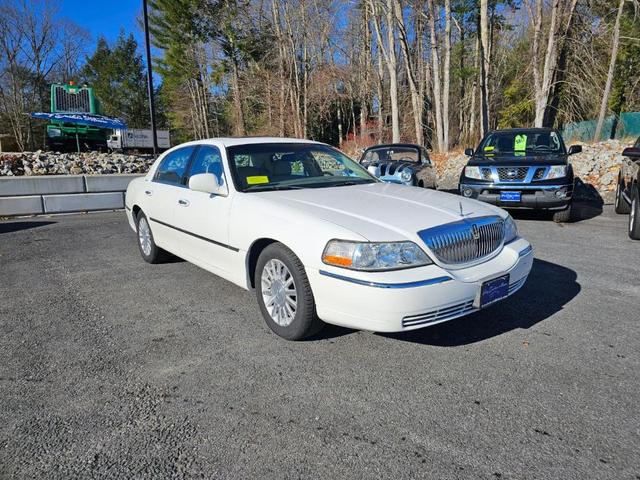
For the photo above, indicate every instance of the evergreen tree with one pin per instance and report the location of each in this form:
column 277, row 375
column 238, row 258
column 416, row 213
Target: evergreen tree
column 117, row 75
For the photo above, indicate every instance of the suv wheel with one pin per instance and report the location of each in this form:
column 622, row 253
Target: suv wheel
column 634, row 216
column 621, row 205
column 562, row 216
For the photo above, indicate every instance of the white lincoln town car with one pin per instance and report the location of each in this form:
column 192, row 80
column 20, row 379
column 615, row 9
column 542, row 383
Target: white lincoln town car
column 321, row 240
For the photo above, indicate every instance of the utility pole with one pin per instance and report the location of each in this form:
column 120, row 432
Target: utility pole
column 152, row 108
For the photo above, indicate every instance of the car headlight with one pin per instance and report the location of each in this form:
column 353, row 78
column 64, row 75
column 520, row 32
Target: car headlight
column 510, row 229
column 406, row 176
column 472, row 172
column 557, row 171
column 374, row 256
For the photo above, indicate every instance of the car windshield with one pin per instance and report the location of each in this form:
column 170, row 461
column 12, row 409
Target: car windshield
column 288, row 166
column 392, row 154
column 521, row 143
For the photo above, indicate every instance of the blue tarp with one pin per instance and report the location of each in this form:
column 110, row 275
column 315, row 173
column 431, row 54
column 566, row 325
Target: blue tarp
column 82, row 119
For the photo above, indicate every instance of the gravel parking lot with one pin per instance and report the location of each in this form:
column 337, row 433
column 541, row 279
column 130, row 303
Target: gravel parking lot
column 110, row 367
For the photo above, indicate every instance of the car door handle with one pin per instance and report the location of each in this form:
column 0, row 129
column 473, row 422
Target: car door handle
column 148, row 192
column 184, row 203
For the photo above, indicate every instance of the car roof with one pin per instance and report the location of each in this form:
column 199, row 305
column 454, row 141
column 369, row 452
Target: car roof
column 233, row 141
column 524, row 130
column 387, row 145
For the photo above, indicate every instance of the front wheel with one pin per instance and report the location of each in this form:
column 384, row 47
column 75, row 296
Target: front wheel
column 620, row 205
column 634, row 216
column 562, row 216
column 284, row 294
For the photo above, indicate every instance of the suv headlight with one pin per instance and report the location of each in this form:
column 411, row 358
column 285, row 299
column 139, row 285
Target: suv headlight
column 370, row 256
column 557, row 171
column 510, row 229
column 472, row 172
column 406, row 176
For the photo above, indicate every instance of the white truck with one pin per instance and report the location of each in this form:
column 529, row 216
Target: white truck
column 137, row 139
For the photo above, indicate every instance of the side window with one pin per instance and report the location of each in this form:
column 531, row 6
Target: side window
column 208, row 160
column 173, row 167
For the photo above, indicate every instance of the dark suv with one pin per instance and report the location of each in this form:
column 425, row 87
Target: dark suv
column 521, row 168
column 628, row 189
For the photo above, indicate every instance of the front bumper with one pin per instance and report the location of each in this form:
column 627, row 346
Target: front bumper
column 554, row 197
column 405, row 300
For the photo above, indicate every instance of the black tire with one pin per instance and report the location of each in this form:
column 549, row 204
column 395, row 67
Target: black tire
column 634, row 216
column 563, row 216
column 150, row 252
column 304, row 321
column 621, row 206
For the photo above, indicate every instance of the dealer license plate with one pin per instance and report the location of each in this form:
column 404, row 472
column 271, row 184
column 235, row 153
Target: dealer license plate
column 510, row 196
column 493, row 290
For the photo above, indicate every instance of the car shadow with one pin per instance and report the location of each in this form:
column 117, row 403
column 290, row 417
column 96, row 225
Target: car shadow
column 547, row 290
column 8, row 227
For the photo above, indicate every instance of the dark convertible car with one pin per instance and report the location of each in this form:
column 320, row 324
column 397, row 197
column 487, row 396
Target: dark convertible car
column 403, row 163
column 521, row 168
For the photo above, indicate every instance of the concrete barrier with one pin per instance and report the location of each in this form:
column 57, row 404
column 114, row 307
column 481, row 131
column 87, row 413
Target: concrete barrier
column 38, row 195
column 50, row 184
column 27, row 205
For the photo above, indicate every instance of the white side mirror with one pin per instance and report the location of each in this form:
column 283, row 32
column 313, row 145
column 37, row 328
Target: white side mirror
column 207, row 183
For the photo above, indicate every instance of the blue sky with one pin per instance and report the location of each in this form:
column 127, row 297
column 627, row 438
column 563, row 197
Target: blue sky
column 106, row 18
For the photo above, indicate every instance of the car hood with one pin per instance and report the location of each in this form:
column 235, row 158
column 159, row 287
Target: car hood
column 514, row 160
column 380, row 211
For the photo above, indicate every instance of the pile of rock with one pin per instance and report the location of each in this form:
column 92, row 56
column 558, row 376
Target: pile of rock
column 50, row 163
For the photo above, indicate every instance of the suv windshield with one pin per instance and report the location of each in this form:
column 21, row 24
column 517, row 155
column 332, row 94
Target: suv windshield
column 521, row 143
column 392, row 154
column 284, row 166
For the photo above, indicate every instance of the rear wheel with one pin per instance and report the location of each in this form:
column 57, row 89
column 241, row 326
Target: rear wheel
column 621, row 205
column 562, row 216
column 150, row 252
column 634, row 216
column 284, row 294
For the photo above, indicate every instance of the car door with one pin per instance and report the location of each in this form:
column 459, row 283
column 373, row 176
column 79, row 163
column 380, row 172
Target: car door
column 162, row 192
column 204, row 218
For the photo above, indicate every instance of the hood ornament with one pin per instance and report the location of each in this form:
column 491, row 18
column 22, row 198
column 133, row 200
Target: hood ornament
column 461, row 212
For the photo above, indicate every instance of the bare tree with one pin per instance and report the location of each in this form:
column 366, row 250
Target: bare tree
column 390, row 59
column 612, row 66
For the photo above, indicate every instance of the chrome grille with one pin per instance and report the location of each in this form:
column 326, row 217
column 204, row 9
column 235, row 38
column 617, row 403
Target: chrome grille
column 512, row 174
column 466, row 240
column 438, row 315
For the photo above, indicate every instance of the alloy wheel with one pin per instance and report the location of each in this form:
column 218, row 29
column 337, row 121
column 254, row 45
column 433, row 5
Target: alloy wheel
column 144, row 236
column 279, row 292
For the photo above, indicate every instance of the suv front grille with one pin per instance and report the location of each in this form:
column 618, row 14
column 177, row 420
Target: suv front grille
column 512, row 174
column 465, row 241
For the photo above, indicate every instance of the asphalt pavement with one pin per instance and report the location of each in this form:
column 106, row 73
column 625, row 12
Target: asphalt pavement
column 113, row 368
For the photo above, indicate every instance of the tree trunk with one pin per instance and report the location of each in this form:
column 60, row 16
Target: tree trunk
column 446, row 74
column 416, row 100
column 485, row 55
column 390, row 58
column 554, row 59
column 437, row 96
column 612, row 67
